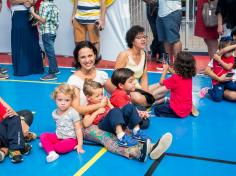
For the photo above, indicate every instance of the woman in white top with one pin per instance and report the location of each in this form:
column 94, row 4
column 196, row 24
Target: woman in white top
column 134, row 58
column 85, row 56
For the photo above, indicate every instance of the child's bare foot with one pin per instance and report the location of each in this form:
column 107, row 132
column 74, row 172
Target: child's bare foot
column 195, row 112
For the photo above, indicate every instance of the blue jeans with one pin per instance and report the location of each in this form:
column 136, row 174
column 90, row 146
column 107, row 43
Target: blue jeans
column 217, row 92
column 156, row 46
column 48, row 43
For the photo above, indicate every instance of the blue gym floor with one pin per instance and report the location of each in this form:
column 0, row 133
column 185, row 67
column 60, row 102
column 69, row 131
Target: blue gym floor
column 202, row 146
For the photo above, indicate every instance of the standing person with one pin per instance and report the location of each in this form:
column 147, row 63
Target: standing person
column 209, row 34
column 26, row 55
column 157, row 47
column 88, row 16
column 180, row 87
column 48, row 17
column 68, row 135
column 134, row 58
column 3, row 70
column 226, row 16
column 168, row 26
column 85, row 58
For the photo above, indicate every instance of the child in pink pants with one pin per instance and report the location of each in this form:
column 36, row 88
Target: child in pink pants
column 68, row 135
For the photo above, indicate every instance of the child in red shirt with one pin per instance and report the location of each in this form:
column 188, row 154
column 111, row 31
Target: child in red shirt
column 180, row 86
column 113, row 120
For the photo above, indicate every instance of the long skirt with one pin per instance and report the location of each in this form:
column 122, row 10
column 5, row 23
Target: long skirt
column 26, row 52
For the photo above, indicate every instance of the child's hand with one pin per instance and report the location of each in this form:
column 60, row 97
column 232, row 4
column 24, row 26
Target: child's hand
column 144, row 114
column 10, row 113
column 165, row 66
column 104, row 101
column 217, row 57
column 100, row 110
column 79, row 149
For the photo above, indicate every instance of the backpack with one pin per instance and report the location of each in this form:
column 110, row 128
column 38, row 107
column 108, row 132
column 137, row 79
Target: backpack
column 208, row 13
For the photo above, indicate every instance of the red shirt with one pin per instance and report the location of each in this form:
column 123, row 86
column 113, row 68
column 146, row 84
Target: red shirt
column 219, row 70
column 119, row 98
column 101, row 116
column 180, row 94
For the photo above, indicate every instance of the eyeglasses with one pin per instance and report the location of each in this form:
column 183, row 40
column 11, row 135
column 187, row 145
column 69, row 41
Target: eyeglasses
column 141, row 37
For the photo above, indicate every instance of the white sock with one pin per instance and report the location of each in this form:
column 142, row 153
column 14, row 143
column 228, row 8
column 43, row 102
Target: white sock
column 120, row 135
column 136, row 129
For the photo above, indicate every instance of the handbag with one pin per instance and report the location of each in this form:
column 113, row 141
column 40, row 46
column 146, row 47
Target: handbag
column 208, row 13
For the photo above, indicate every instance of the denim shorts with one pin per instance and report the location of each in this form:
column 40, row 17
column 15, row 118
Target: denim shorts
column 168, row 27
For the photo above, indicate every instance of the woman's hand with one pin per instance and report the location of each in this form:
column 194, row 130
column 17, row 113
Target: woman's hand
column 220, row 29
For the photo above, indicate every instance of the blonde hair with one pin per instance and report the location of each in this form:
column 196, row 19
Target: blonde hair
column 65, row 89
column 89, row 86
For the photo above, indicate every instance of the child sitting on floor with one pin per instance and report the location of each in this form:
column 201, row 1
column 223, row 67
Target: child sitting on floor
column 222, row 64
column 114, row 120
column 180, row 86
column 68, row 135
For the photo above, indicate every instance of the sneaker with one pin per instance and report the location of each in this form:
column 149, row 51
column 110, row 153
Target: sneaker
column 3, row 76
column 52, row 156
column 3, row 70
column 15, row 156
column 161, row 146
column 49, row 77
column 30, row 137
column 202, row 93
column 58, row 72
column 145, row 151
column 2, row 156
column 127, row 141
column 26, row 150
column 140, row 136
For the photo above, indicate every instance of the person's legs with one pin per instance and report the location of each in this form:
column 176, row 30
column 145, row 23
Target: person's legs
column 94, row 35
column 230, row 95
column 212, row 46
column 230, row 85
column 48, row 43
column 79, row 32
column 138, row 98
column 164, row 110
column 48, row 140
column 65, row 145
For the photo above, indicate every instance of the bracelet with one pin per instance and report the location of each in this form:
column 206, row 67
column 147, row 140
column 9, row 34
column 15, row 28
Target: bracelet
column 22, row 118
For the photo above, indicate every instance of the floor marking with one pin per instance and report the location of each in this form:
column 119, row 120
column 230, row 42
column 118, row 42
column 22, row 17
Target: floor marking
column 154, row 165
column 90, row 162
column 28, row 81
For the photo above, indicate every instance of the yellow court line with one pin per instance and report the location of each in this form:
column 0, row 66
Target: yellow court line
column 90, row 162
column 28, row 81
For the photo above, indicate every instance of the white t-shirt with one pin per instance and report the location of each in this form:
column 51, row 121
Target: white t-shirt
column 65, row 123
column 166, row 7
column 76, row 81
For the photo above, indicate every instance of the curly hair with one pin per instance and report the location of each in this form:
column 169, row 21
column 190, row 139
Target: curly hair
column 185, row 65
column 65, row 89
column 81, row 45
column 132, row 33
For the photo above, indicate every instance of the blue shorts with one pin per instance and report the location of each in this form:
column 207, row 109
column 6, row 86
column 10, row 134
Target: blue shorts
column 168, row 27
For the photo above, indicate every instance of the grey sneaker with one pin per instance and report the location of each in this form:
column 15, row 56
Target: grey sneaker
column 161, row 146
column 49, row 77
column 2, row 156
column 3, row 70
column 3, row 76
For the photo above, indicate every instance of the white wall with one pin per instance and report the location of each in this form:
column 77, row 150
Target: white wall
column 112, row 38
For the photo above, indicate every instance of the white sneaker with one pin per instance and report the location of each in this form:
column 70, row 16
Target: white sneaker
column 161, row 146
column 52, row 156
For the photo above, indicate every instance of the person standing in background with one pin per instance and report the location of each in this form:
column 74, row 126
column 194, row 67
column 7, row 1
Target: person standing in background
column 209, row 34
column 168, row 26
column 88, row 16
column 26, row 54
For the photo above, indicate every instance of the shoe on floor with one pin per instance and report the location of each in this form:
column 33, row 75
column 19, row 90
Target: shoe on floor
column 3, row 76
column 161, row 146
column 30, row 137
column 15, row 156
column 145, row 151
column 3, row 70
column 127, row 141
column 52, row 156
column 26, row 150
column 49, row 77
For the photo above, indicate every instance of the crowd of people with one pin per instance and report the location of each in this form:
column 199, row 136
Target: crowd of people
column 83, row 110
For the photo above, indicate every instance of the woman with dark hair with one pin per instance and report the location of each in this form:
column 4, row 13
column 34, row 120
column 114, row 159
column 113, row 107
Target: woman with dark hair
column 26, row 52
column 85, row 58
column 134, row 58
